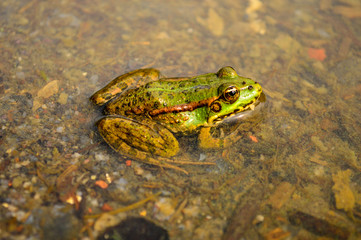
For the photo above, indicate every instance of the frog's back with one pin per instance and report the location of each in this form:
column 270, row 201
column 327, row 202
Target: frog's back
column 163, row 93
column 172, row 102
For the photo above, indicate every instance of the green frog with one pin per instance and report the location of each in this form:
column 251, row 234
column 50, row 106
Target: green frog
column 146, row 111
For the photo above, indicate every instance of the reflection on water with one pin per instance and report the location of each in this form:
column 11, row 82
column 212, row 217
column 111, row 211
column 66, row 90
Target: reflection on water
column 295, row 173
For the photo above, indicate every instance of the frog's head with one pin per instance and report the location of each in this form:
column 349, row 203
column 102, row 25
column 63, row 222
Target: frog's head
column 235, row 95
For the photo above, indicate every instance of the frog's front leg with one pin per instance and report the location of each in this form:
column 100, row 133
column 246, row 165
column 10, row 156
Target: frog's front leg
column 147, row 142
column 121, row 83
column 207, row 141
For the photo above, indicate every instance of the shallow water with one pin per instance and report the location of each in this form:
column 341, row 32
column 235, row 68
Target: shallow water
column 294, row 174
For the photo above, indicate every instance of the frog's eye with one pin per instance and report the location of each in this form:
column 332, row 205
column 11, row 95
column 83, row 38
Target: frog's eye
column 231, row 94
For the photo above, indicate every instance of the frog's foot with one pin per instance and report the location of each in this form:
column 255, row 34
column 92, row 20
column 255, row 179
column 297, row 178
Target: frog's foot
column 121, row 83
column 207, row 141
column 161, row 162
column 169, row 163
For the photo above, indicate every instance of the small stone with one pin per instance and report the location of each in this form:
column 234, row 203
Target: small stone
column 318, row 65
column 162, row 35
column 165, row 207
column 191, row 211
column 281, row 195
column 107, row 220
column 258, row 219
column 344, row 196
column 138, row 171
column 63, row 98
column 254, row 5
column 322, row 90
column 258, row 26
column 76, row 155
column 214, row 22
column 287, row 43
column 100, row 157
column 36, row 104
column 121, row 183
column 17, row 182
column 27, row 185
column 49, row 89
column 59, row 129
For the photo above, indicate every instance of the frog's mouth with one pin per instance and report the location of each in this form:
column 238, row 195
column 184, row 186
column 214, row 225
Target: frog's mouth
column 242, row 112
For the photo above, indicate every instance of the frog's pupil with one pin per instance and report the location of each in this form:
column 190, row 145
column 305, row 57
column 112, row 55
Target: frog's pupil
column 232, row 92
column 250, row 87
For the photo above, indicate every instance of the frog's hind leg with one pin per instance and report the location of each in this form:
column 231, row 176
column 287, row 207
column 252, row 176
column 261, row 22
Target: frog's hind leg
column 123, row 82
column 140, row 141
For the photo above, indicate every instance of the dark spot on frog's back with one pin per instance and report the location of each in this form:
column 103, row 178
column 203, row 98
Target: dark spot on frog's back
column 122, row 86
column 107, row 96
column 156, row 105
column 170, row 96
column 117, row 125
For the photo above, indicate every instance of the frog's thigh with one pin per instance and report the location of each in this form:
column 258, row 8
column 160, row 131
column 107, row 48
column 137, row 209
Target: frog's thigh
column 121, row 83
column 138, row 139
column 207, row 141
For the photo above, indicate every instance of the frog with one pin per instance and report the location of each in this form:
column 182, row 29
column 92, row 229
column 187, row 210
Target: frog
column 145, row 112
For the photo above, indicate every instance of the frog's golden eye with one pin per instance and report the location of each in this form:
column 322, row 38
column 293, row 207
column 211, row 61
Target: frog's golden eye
column 231, row 94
